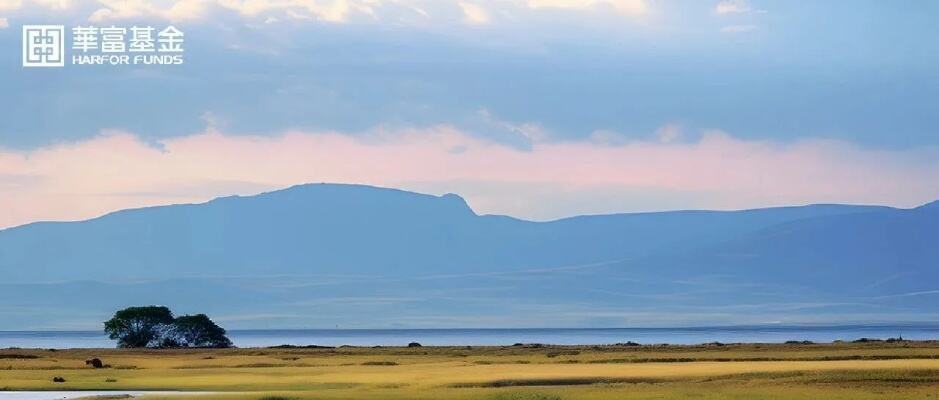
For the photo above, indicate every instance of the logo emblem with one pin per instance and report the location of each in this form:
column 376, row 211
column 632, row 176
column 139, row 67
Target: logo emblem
column 43, row 46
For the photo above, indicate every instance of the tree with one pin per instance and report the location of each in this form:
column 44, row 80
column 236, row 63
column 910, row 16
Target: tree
column 198, row 331
column 155, row 326
column 139, row 326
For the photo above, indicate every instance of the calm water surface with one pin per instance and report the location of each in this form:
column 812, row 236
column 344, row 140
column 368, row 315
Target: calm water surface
column 480, row 337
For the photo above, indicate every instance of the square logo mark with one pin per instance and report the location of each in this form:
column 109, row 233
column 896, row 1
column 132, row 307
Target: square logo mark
column 43, row 46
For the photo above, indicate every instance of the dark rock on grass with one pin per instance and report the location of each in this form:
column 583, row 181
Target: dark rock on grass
column 58, row 379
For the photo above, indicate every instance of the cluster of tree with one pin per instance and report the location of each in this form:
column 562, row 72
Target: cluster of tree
column 156, row 327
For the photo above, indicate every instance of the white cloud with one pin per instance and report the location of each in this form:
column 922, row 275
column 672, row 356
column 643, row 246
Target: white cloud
column 606, row 137
column 9, row 5
column 4, row 23
column 13, row 5
column 125, row 9
column 738, row 28
column 668, row 133
column 54, row 4
column 323, row 10
column 732, row 7
column 629, row 7
column 665, row 134
column 474, row 14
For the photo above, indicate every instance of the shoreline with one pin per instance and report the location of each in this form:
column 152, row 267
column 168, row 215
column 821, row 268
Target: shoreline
column 626, row 344
column 862, row 342
column 503, row 337
column 852, row 370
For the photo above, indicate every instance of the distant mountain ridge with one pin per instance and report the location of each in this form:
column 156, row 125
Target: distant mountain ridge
column 353, row 241
column 934, row 204
column 330, row 228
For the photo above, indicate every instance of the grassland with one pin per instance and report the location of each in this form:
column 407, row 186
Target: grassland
column 903, row 370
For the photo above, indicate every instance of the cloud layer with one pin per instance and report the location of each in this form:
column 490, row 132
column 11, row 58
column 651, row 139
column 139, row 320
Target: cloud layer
column 551, row 179
column 333, row 11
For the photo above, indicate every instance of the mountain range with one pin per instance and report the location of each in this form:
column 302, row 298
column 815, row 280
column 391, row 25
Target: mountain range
column 325, row 255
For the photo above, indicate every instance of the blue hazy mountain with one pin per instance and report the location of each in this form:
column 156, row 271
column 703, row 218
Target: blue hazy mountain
column 324, row 254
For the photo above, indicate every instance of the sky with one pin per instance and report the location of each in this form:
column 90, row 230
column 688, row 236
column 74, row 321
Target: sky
column 539, row 109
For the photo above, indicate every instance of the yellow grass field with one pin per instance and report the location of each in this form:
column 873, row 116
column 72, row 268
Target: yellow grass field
column 906, row 370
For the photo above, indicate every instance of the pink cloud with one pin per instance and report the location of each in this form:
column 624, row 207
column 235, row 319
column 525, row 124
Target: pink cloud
column 553, row 179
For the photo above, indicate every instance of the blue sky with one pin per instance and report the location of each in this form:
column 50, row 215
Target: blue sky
column 852, row 81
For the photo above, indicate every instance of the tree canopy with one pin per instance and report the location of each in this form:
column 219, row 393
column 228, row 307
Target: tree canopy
column 199, row 331
column 139, row 326
column 156, row 327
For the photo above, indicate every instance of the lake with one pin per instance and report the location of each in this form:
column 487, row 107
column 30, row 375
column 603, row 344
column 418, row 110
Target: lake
column 480, row 337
